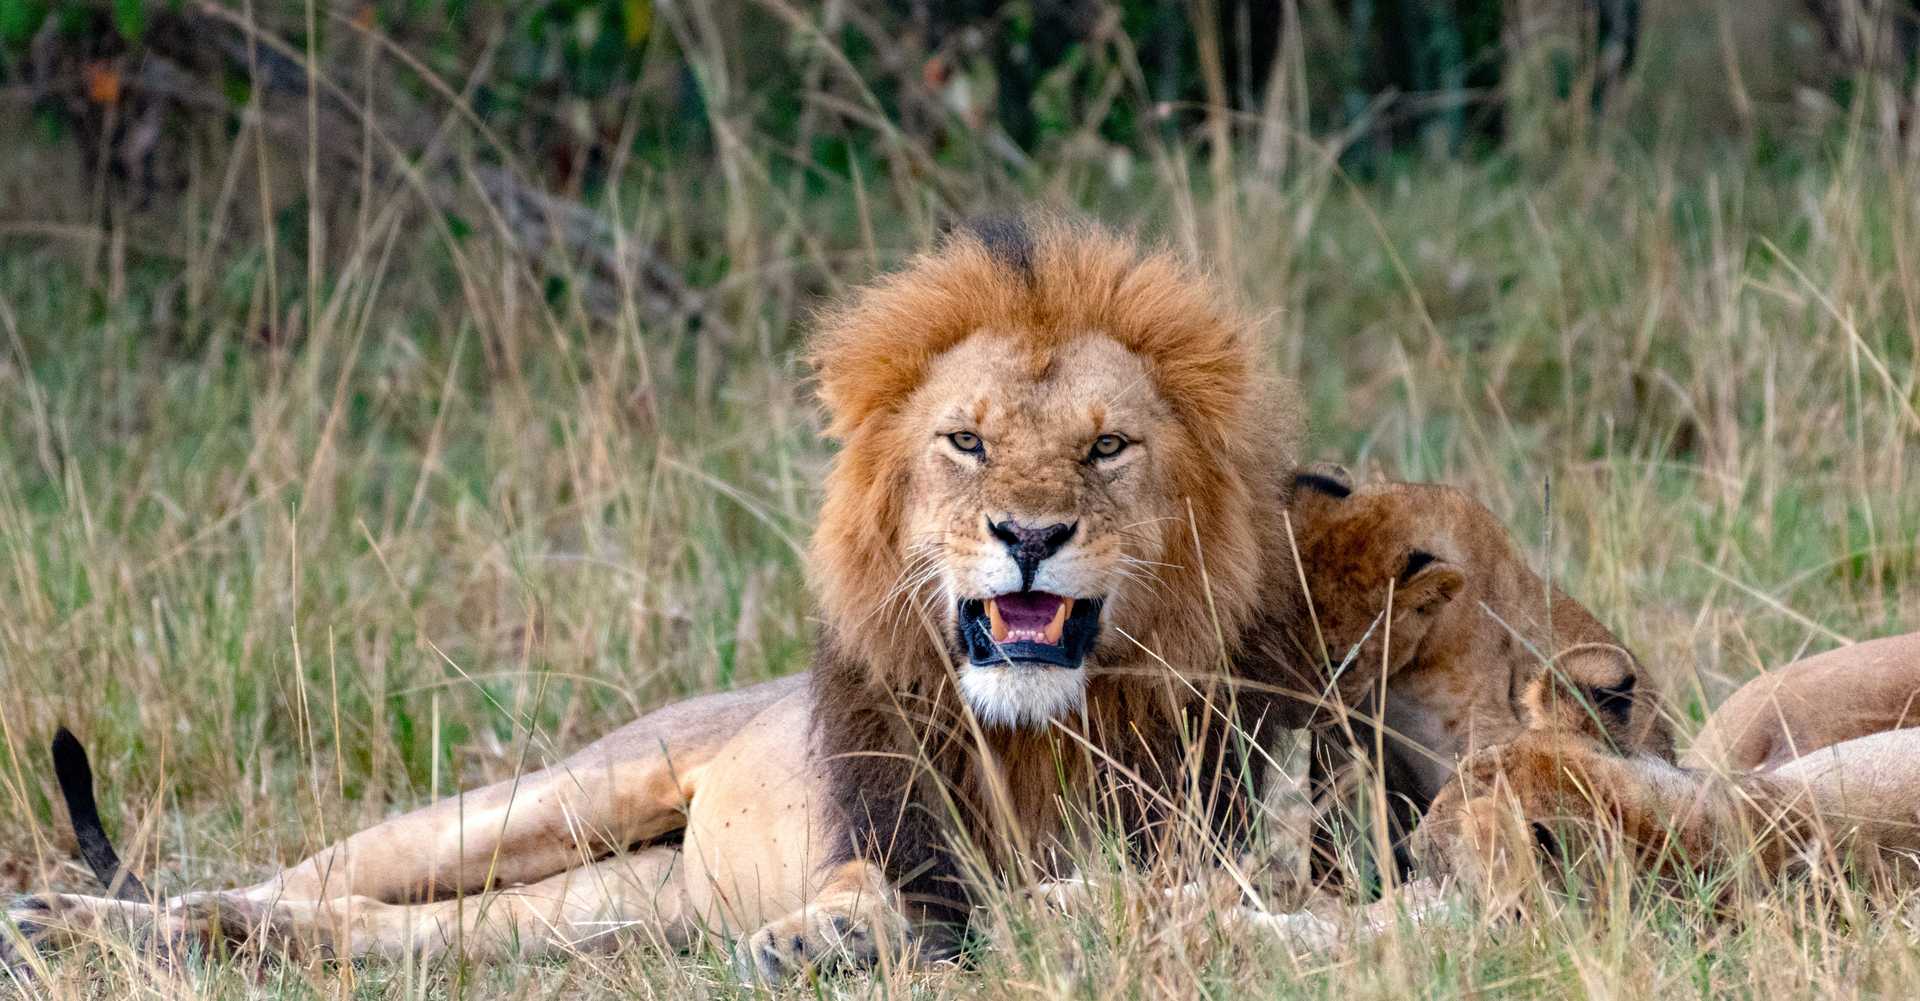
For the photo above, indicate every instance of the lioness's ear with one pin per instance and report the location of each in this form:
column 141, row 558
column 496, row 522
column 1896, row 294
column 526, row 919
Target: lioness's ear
column 1588, row 689
column 1421, row 591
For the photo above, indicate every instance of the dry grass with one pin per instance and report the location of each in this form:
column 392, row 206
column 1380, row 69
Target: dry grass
column 300, row 532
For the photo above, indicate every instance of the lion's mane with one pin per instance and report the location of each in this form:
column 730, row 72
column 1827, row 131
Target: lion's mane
column 903, row 759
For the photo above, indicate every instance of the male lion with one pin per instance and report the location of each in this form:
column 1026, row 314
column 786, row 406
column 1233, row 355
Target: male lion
column 1053, row 575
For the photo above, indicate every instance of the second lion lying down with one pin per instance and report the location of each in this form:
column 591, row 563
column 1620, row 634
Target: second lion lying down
column 1841, row 796
column 1520, row 748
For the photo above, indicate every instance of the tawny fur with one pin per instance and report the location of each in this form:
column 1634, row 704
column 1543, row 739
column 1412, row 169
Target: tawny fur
column 1001, row 337
column 1565, row 792
column 1848, row 692
column 1443, row 679
column 1241, row 426
column 1568, row 802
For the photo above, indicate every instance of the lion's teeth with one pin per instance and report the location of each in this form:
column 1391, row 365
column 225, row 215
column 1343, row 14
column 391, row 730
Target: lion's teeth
column 1059, row 623
column 995, row 624
column 1003, row 632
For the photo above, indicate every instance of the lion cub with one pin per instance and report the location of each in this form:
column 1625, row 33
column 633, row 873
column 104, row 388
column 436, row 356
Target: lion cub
column 1441, row 679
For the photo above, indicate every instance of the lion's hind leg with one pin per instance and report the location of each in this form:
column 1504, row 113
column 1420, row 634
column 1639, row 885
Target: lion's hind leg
column 588, row 909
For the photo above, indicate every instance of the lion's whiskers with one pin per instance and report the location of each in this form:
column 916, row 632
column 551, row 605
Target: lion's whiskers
column 1142, row 571
column 1145, row 521
column 921, row 565
column 897, row 609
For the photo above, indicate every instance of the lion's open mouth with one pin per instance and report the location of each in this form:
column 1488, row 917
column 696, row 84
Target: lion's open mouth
column 1029, row 627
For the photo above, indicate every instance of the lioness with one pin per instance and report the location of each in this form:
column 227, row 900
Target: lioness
column 1850, row 691
column 1053, row 575
column 1551, row 720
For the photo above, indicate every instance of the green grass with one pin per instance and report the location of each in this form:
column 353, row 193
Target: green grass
column 294, row 556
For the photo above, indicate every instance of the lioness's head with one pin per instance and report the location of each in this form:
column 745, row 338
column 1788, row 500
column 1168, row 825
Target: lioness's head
column 1054, row 447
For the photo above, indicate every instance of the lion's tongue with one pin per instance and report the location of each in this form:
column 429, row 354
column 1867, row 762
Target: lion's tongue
column 1028, row 617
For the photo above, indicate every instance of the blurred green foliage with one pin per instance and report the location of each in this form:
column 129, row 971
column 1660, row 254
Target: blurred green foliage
column 564, row 80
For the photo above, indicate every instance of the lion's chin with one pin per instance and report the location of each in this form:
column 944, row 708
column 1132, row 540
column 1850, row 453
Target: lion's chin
column 1022, row 695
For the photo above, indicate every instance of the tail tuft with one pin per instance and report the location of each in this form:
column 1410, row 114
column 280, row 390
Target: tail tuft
column 75, row 775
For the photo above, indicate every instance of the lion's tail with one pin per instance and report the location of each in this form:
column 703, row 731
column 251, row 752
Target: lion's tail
column 75, row 774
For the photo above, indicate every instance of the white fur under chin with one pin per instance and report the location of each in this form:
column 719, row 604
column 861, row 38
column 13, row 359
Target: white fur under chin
column 1020, row 695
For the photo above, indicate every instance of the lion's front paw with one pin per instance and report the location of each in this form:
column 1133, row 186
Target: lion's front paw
column 812, row 937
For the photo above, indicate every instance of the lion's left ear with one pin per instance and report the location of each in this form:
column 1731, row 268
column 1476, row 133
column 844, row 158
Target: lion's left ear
column 1423, row 589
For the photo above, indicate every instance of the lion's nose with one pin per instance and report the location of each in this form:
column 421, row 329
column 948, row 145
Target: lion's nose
column 1029, row 545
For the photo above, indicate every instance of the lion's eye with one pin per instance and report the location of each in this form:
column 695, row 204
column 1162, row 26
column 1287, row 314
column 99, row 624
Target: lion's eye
column 1107, row 446
column 968, row 442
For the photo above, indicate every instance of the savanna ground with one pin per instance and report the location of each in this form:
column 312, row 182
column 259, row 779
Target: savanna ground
column 325, row 491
